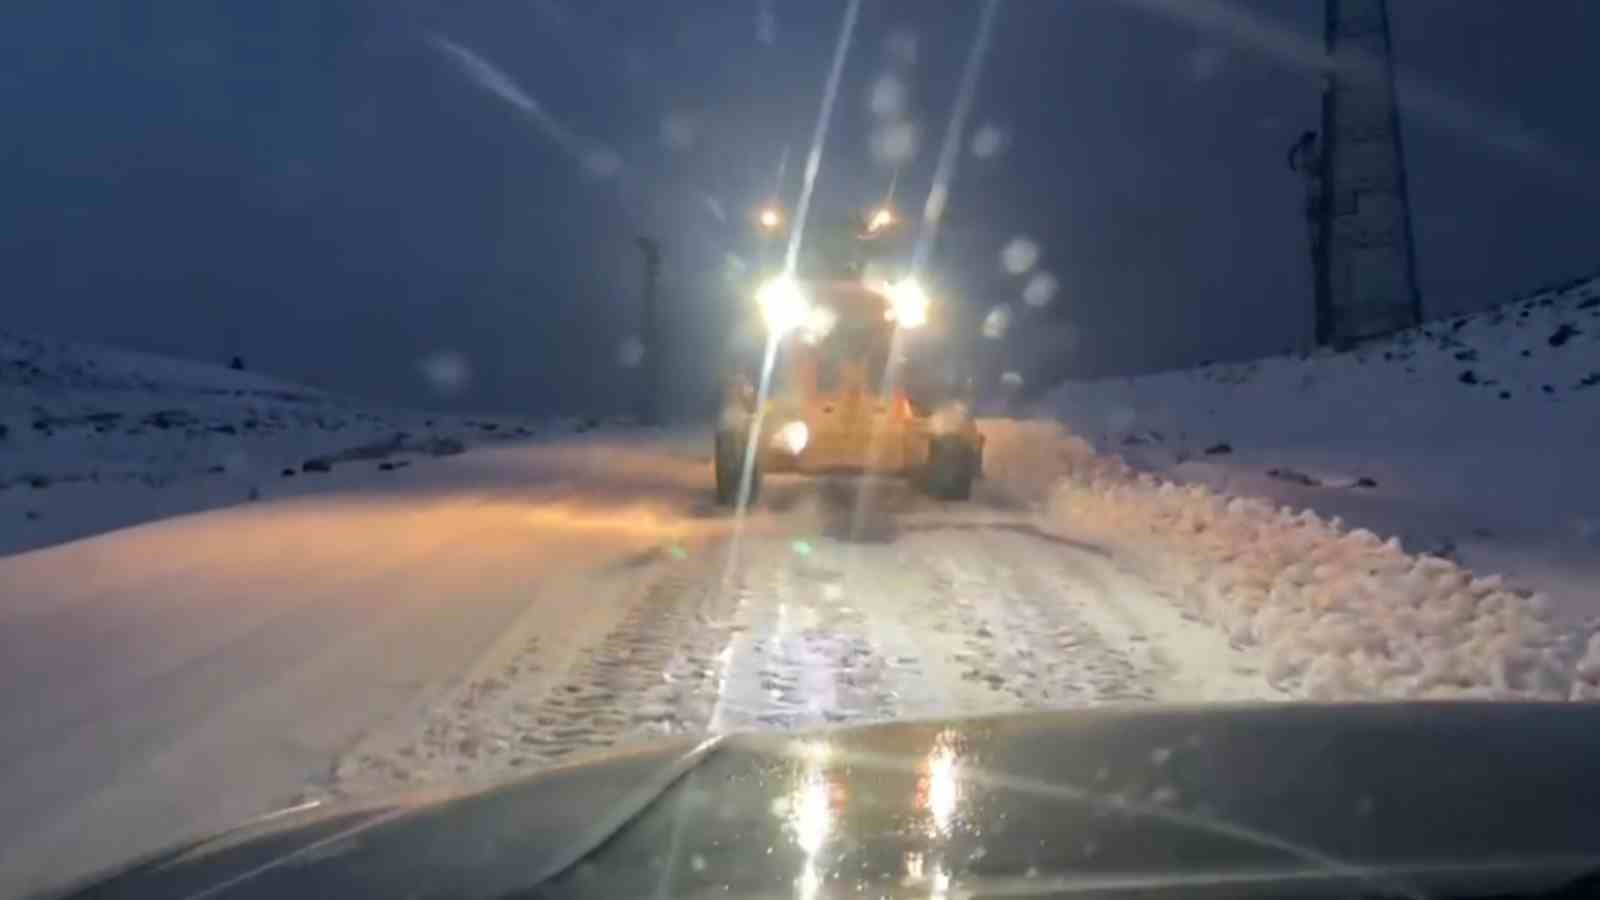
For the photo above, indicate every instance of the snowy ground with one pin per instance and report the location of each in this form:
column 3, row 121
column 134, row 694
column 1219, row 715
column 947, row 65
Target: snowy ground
column 478, row 614
column 1426, row 516
column 492, row 612
column 935, row 610
column 485, row 613
column 93, row 438
column 1472, row 438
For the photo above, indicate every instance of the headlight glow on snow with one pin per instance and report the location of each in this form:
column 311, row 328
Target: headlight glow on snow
column 793, row 437
column 908, row 303
column 783, row 306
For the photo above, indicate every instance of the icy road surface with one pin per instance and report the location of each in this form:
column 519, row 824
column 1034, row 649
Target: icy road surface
column 486, row 615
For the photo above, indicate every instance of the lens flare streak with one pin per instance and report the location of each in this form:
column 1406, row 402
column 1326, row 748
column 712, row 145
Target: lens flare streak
column 944, row 174
column 764, row 389
column 820, row 136
column 596, row 158
column 933, row 209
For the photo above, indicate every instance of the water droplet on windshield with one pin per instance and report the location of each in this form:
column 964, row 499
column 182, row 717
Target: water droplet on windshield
column 938, row 196
column 988, row 141
column 1019, row 255
column 677, row 132
column 1040, row 291
column 996, row 322
column 601, row 162
column 888, row 97
column 894, row 142
column 446, row 371
column 631, row 352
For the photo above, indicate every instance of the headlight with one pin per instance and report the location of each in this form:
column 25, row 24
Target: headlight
column 819, row 324
column 908, row 303
column 792, row 437
column 782, row 304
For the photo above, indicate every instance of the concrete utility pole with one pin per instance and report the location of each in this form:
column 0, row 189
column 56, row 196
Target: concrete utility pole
column 650, row 334
column 1366, row 276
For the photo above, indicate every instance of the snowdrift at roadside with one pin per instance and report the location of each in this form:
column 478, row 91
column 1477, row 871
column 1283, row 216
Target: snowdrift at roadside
column 1339, row 614
column 1471, row 438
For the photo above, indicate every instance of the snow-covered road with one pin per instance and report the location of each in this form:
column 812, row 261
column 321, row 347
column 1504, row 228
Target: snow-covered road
column 949, row 615
column 489, row 614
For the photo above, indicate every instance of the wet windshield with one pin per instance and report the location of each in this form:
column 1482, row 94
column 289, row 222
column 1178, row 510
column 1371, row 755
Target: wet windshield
column 407, row 396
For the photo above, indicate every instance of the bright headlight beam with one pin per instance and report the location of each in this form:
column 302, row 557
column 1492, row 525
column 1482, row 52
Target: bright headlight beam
column 909, row 303
column 783, row 306
column 793, row 437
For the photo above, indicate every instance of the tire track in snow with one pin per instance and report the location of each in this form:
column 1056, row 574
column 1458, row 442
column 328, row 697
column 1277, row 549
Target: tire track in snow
column 935, row 623
column 632, row 682
column 806, row 655
column 1028, row 643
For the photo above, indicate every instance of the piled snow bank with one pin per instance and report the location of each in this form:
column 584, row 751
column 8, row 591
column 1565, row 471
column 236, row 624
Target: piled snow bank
column 1339, row 613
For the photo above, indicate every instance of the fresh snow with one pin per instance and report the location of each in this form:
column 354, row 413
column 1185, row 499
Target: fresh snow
column 1339, row 613
column 358, row 626
column 94, row 438
column 494, row 612
column 1431, row 459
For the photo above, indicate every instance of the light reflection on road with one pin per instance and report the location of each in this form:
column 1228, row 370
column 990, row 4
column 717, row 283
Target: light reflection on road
column 811, row 814
column 944, row 786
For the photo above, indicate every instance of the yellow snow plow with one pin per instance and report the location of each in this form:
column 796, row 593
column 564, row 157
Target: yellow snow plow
column 841, row 400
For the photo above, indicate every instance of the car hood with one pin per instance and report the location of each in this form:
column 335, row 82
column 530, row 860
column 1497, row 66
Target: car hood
column 1391, row 800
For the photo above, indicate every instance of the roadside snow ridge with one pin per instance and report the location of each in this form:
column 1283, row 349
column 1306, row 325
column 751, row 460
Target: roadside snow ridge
column 1341, row 614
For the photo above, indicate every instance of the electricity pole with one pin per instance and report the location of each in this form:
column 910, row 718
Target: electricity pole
column 649, row 398
column 1366, row 270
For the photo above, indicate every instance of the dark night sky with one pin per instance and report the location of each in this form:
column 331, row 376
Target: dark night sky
column 343, row 190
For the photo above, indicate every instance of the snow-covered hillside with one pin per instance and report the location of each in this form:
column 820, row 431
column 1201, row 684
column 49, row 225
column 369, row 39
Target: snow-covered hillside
column 94, row 438
column 1474, row 439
